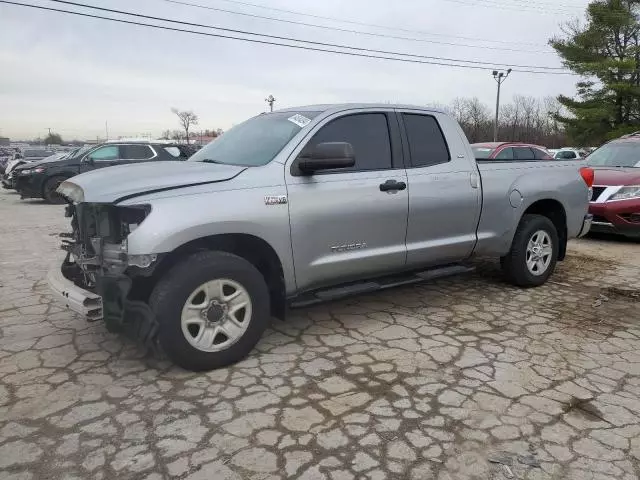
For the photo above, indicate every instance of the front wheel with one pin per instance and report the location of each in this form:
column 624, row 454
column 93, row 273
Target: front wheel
column 534, row 252
column 212, row 309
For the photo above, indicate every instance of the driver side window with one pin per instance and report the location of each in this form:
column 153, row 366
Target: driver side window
column 368, row 134
column 105, row 154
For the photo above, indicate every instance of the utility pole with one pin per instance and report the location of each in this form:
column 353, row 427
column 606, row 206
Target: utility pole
column 270, row 100
column 49, row 130
column 106, row 129
column 499, row 77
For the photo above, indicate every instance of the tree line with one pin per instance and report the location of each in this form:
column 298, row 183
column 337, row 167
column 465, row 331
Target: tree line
column 524, row 119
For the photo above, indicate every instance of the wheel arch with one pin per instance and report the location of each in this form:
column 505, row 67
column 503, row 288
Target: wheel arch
column 254, row 249
column 554, row 211
column 63, row 175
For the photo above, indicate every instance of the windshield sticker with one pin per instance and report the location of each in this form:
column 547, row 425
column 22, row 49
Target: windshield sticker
column 299, row 120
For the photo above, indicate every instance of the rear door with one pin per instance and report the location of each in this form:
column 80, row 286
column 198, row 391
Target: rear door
column 134, row 153
column 444, row 190
column 344, row 224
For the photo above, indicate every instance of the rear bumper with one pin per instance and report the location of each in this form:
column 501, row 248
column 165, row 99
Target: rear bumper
column 77, row 299
column 586, row 225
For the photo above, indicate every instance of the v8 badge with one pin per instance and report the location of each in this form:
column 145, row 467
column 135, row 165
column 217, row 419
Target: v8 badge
column 275, row 199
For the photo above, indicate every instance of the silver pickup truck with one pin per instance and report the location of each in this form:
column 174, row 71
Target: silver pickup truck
column 300, row 206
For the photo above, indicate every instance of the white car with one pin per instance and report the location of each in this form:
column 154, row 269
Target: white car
column 568, row 154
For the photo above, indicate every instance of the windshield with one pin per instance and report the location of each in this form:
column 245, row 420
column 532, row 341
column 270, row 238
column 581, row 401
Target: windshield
column 616, row 154
column 482, row 153
column 78, row 152
column 255, row 142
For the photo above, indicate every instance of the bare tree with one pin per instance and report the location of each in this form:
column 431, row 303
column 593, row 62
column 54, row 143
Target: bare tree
column 525, row 119
column 187, row 120
column 458, row 110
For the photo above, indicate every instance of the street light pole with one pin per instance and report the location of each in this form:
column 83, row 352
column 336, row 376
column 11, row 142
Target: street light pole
column 270, row 100
column 499, row 77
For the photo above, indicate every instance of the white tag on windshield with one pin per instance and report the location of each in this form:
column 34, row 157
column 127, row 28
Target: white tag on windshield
column 299, row 120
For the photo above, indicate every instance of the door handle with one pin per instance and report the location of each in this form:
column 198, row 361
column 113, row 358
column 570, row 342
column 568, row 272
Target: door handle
column 392, row 185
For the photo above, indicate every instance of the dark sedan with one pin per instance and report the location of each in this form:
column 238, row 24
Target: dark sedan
column 41, row 179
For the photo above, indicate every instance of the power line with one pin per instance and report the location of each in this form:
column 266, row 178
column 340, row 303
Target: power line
column 290, row 39
column 346, row 30
column 528, row 7
column 265, row 42
column 538, row 3
column 353, row 22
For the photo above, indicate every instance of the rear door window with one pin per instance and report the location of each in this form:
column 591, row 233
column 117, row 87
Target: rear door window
column 137, row 152
column 427, row 145
column 505, row 154
column 523, row 153
column 541, row 154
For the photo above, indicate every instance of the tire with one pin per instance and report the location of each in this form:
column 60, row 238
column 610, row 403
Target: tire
column 182, row 287
column 515, row 265
column 49, row 190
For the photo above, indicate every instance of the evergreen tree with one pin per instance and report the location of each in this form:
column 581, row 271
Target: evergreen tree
column 605, row 51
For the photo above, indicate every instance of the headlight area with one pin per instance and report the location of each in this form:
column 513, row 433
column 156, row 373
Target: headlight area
column 98, row 260
column 30, row 171
column 71, row 191
column 101, row 232
column 626, row 193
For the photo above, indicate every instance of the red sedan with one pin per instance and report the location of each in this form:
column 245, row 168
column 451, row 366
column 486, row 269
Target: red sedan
column 509, row 151
column 615, row 203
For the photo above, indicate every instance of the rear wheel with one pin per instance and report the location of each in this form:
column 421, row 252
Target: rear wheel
column 49, row 191
column 212, row 309
column 534, row 252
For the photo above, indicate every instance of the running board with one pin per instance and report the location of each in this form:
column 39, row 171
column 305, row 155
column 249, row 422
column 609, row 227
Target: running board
column 334, row 293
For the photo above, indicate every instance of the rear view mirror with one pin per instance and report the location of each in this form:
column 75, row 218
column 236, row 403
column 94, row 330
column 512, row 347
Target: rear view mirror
column 327, row 156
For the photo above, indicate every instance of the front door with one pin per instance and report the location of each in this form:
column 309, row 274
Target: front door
column 347, row 224
column 104, row 156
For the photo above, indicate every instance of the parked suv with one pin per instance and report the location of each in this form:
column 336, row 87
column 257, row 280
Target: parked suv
column 615, row 203
column 505, row 151
column 301, row 206
column 41, row 179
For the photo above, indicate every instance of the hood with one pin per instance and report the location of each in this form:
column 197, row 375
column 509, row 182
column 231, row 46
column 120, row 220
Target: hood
column 616, row 176
column 54, row 159
column 13, row 164
column 113, row 184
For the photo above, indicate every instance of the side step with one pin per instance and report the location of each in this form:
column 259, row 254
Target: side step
column 382, row 283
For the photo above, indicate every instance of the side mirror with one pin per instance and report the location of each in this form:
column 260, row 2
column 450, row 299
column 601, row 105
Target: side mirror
column 327, row 156
column 88, row 160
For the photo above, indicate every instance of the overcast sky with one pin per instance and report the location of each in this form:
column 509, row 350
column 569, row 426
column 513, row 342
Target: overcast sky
column 72, row 74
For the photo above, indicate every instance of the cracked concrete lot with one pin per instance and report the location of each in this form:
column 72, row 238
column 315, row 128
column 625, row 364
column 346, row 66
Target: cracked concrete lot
column 463, row 378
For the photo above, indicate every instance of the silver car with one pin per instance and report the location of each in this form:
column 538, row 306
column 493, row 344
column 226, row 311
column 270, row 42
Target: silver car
column 301, row 206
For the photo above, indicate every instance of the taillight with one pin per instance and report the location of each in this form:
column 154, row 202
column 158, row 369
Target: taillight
column 587, row 175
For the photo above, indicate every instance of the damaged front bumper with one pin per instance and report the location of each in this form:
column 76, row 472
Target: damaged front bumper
column 75, row 298
column 98, row 279
column 109, row 303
